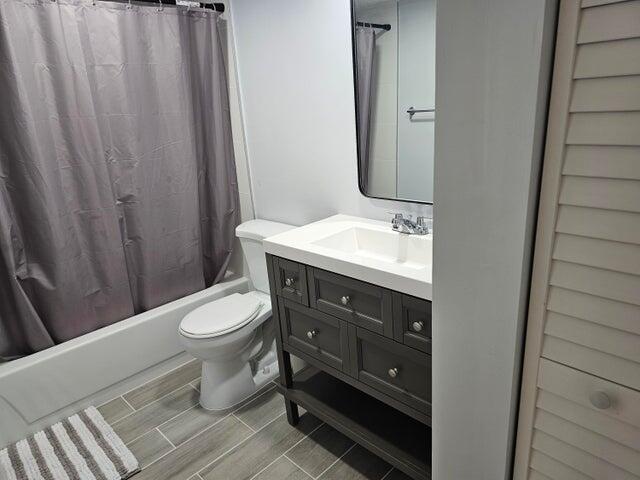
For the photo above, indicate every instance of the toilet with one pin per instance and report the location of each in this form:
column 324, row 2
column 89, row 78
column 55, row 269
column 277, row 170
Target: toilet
column 234, row 336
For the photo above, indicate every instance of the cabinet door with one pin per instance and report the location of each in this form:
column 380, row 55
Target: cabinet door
column 319, row 335
column 399, row 371
column 412, row 321
column 360, row 303
column 291, row 280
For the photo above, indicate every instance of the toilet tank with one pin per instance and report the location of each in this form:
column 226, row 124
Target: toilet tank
column 251, row 234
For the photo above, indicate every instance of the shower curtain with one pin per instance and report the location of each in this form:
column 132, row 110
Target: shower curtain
column 118, row 190
column 365, row 53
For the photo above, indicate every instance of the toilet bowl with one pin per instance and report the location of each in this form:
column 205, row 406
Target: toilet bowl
column 225, row 335
column 234, row 336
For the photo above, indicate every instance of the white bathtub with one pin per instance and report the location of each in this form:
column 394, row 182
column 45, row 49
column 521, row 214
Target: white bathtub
column 40, row 389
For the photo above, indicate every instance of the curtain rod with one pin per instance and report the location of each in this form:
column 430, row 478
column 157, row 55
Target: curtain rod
column 383, row 26
column 217, row 7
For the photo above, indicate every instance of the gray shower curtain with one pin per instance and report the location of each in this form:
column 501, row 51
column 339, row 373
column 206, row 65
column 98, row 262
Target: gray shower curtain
column 365, row 53
column 118, row 189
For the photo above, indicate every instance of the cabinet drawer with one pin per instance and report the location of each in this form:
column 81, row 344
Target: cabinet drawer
column 291, row 280
column 412, row 321
column 389, row 367
column 315, row 333
column 357, row 302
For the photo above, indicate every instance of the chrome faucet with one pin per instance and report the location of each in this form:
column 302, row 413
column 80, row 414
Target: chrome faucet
column 422, row 226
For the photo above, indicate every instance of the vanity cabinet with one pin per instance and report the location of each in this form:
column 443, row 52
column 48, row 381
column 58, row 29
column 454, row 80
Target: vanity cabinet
column 368, row 350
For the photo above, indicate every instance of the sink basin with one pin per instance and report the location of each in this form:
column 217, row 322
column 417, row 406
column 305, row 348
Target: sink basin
column 360, row 248
column 412, row 251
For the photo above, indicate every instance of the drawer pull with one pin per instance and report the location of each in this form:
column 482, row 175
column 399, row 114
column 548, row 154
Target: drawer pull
column 345, row 300
column 312, row 333
column 393, row 372
column 290, row 282
column 600, row 400
column 417, row 326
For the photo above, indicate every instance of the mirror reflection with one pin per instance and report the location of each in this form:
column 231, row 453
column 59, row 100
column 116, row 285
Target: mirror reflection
column 395, row 97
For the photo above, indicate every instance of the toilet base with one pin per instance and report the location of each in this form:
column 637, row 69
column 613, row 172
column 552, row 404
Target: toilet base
column 226, row 384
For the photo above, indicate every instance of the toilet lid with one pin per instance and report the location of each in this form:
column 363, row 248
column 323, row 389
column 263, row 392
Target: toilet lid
column 221, row 316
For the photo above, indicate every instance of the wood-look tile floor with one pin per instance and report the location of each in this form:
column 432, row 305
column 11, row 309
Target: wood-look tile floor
column 174, row 438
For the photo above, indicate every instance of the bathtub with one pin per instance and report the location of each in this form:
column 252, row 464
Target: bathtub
column 38, row 390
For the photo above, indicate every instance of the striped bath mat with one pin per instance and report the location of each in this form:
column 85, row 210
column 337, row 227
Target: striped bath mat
column 82, row 447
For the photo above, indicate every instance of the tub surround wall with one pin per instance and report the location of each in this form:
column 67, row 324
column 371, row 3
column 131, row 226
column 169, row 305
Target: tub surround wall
column 384, row 99
column 237, row 264
column 296, row 87
column 416, row 88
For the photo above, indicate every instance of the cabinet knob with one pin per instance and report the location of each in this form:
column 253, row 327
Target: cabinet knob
column 600, row 400
column 345, row 300
column 289, row 282
column 312, row 333
column 393, row 372
column 417, row 326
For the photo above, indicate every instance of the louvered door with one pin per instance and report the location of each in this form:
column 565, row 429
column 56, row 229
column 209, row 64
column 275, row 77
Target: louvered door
column 580, row 404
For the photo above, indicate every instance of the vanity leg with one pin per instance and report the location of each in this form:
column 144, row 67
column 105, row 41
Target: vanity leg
column 284, row 358
column 293, row 417
column 286, row 378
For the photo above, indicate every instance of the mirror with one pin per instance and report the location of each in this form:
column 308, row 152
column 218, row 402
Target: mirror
column 394, row 72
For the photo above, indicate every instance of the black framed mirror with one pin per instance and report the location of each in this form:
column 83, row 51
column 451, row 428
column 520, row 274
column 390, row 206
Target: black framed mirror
column 394, row 82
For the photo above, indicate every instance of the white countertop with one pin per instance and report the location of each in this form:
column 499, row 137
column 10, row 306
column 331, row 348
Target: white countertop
column 398, row 261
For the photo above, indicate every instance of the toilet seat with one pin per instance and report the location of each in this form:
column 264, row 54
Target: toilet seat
column 221, row 316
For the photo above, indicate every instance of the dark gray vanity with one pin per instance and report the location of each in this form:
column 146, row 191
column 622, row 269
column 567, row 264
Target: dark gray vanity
column 369, row 355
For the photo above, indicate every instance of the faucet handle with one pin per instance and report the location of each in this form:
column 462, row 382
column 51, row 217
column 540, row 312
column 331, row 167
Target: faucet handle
column 426, row 223
column 396, row 221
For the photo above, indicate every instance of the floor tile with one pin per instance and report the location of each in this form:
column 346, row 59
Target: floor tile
column 155, row 389
column 262, row 410
column 115, row 410
column 260, row 449
column 357, row 464
column 150, row 447
column 189, row 423
column 396, row 474
column 319, row 450
column 156, row 413
column 193, row 421
column 282, row 469
column 185, row 461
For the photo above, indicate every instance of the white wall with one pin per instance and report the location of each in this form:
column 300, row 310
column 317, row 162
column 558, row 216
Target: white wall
column 491, row 102
column 296, row 86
